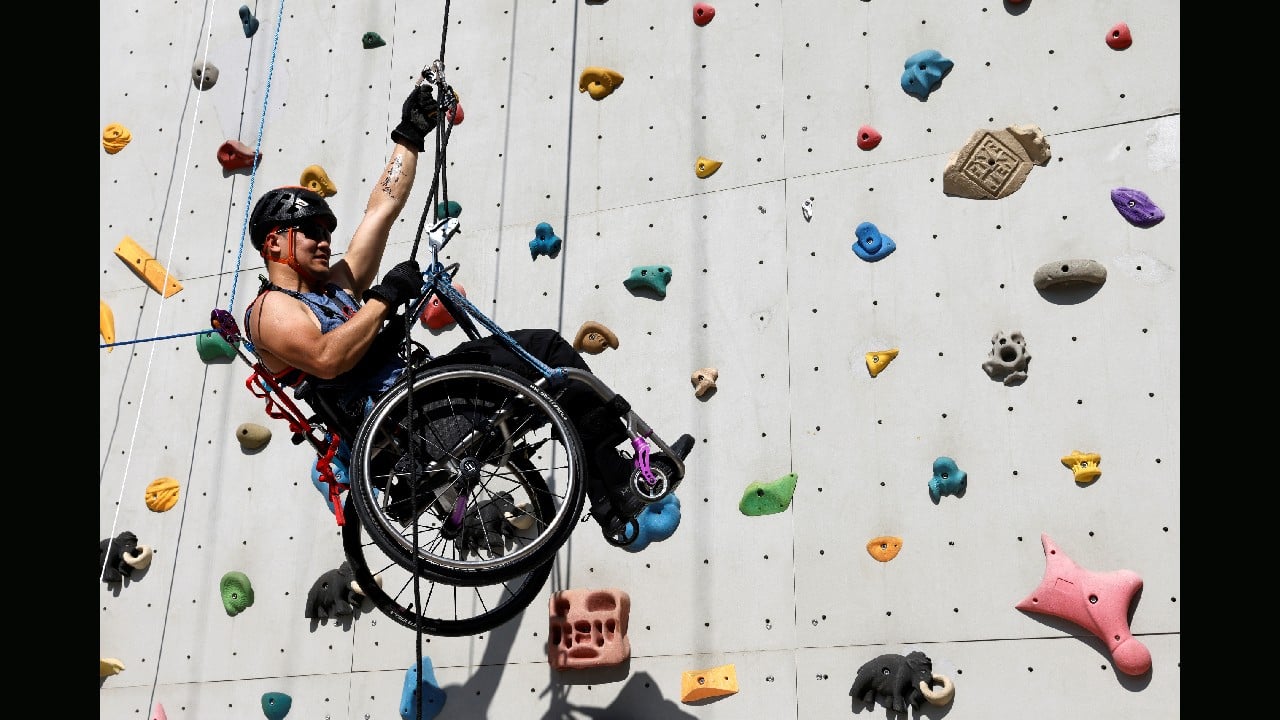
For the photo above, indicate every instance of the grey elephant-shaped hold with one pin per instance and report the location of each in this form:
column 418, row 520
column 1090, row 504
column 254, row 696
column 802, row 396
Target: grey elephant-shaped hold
column 897, row 681
column 120, row 556
column 487, row 528
column 1009, row 359
column 335, row 593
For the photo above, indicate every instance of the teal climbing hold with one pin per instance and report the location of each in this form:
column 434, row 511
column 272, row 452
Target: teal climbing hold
column 948, row 479
column 372, row 40
column 275, row 705
column 649, row 277
column 453, row 207
column 237, row 593
column 761, row 498
column 544, row 242
column 432, row 696
column 212, row 347
column 248, row 21
column 656, row 522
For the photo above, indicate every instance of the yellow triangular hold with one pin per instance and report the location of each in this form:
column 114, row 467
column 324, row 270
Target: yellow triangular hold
column 878, row 360
column 106, row 323
column 705, row 167
column 147, row 267
column 713, row 682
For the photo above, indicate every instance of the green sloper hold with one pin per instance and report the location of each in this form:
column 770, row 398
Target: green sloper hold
column 275, row 705
column 237, row 593
column 372, row 40
column 212, row 347
column 453, row 207
column 653, row 277
column 761, row 498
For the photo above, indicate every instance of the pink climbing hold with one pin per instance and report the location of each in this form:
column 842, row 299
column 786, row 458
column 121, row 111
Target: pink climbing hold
column 703, row 14
column 1097, row 602
column 1119, row 37
column 868, row 137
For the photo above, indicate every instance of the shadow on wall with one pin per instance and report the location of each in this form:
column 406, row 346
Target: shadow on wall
column 640, row 699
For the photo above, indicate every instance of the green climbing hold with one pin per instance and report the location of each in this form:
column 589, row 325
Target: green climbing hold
column 649, row 277
column 237, row 593
column 453, row 207
column 372, row 40
column 212, row 347
column 761, row 498
column 275, row 705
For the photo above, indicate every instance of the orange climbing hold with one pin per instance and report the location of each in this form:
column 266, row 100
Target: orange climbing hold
column 114, row 137
column 599, row 82
column 147, row 267
column 233, row 155
column 884, row 548
column 713, row 682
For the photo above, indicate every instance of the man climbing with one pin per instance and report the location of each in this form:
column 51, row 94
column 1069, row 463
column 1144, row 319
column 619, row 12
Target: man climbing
column 306, row 323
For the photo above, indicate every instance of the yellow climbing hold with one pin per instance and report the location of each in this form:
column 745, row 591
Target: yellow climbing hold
column 114, row 137
column 713, row 682
column 706, row 167
column 599, row 82
column 878, row 360
column 109, row 666
column 1084, row 466
column 106, row 323
column 315, row 178
column 147, row 267
column 162, row 494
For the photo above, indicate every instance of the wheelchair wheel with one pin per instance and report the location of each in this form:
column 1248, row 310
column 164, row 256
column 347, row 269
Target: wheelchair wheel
column 490, row 471
column 447, row 610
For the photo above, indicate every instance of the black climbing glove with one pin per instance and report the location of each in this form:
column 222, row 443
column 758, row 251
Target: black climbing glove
column 401, row 284
column 418, row 116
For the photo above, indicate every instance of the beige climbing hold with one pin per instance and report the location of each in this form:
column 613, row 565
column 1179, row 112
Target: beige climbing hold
column 599, row 82
column 713, row 682
column 114, row 137
column 594, row 338
column 706, row 167
column 942, row 695
column 315, row 178
column 140, row 558
column 704, row 380
column 878, row 360
column 252, row 435
column 109, row 666
column 995, row 163
column 522, row 517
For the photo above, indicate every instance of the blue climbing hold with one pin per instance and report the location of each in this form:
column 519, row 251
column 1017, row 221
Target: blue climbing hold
column 339, row 472
column 249, row 22
column 657, row 521
column 924, row 72
column 947, row 479
column 872, row 245
column 432, row 696
column 544, row 242
column 652, row 277
column 275, row 705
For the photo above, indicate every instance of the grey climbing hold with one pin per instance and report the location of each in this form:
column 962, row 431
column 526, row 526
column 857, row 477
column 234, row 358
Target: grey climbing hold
column 204, row 75
column 1069, row 272
column 1009, row 359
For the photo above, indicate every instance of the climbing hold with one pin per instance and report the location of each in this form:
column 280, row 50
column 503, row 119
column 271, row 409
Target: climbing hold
column 334, row 594
column 203, row 75
column 704, row 381
column 1085, row 466
column 884, row 548
column 212, row 347
column 317, row 180
column 161, row 494
column 713, row 682
column 1119, row 37
column 433, row 698
column 1097, row 602
column 248, row 21
column 275, row 705
column 588, row 628
column 995, row 163
column 159, row 713
column 1008, row 360
column 655, row 523
column 652, row 277
column 872, row 245
column 599, row 82
column 706, row 167
column 594, row 338
column 109, row 666
column 1069, row 272
column 120, row 556
column 435, row 316
column 703, row 14
column 339, row 469
column 1136, row 207
column 252, row 436
column 455, row 114
column 947, row 479
column 544, row 242
column 767, row 498
column 868, row 137
column 924, row 72
column 237, row 593
column 114, row 137
column 452, row 209
column 807, row 210
column 146, row 267
column 106, row 323
column 878, row 360
column 371, row 40
column 899, row 682
column 233, row 155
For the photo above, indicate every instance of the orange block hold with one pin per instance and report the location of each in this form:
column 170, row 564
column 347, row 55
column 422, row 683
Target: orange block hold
column 147, row 267
column 713, row 682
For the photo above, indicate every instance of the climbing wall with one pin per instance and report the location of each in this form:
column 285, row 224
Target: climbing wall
column 788, row 98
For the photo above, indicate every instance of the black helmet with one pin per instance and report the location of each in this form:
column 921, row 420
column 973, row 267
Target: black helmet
column 287, row 207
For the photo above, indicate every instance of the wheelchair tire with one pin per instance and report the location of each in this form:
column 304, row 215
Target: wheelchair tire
column 491, row 452
column 449, row 611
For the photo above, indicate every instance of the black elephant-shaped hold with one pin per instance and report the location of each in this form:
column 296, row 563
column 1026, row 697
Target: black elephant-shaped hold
column 333, row 594
column 118, row 557
column 897, row 681
column 487, row 528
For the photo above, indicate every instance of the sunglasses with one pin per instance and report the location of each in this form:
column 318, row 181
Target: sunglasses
column 313, row 229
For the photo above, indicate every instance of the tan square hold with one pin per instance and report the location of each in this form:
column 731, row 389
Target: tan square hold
column 995, row 163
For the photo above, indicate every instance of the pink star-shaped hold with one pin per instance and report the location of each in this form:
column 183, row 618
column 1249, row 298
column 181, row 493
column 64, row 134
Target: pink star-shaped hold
column 1097, row 602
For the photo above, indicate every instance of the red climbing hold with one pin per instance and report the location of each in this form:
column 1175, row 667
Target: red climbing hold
column 456, row 115
column 234, row 155
column 1118, row 37
column 703, row 14
column 868, row 137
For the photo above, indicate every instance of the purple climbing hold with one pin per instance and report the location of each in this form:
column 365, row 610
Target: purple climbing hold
column 872, row 244
column 1136, row 207
column 924, row 72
